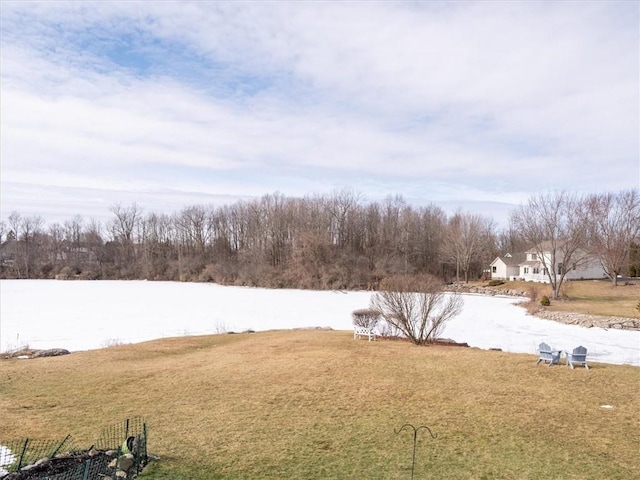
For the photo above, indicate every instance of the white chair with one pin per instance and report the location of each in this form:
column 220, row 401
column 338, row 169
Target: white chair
column 578, row 357
column 552, row 357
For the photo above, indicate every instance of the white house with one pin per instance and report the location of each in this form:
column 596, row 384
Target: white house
column 506, row 267
column 528, row 266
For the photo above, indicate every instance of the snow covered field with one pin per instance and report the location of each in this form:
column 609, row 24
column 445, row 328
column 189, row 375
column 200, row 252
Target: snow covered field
column 84, row 315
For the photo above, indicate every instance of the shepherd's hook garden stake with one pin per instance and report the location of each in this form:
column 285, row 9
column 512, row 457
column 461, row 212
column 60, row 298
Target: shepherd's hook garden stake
column 415, row 440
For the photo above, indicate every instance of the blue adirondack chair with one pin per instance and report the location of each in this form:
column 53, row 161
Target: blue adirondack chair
column 578, row 357
column 552, row 357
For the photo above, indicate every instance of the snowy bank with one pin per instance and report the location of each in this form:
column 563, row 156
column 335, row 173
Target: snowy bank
column 83, row 315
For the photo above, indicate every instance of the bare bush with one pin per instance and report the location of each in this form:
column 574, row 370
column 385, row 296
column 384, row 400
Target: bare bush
column 366, row 317
column 533, row 305
column 533, row 293
column 416, row 305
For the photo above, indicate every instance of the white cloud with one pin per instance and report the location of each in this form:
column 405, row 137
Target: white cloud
column 444, row 102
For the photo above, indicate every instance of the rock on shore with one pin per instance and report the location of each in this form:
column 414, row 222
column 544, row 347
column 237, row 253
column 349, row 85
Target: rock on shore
column 589, row 321
column 32, row 353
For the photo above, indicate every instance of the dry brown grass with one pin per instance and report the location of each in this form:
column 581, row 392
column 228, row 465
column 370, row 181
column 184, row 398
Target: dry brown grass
column 592, row 297
column 600, row 297
column 318, row 404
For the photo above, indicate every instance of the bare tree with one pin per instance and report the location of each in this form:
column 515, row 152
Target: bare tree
column 277, row 228
column 123, row 228
column 12, row 254
column 15, row 219
column 510, row 240
column 342, row 205
column 125, row 221
column 31, row 230
column 94, row 241
column 195, row 227
column 429, row 234
column 155, row 242
column 468, row 238
column 416, row 305
column 73, row 232
column 614, row 226
column 555, row 226
column 331, row 241
column 56, row 241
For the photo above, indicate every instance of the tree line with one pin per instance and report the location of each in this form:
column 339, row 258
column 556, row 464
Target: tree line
column 334, row 241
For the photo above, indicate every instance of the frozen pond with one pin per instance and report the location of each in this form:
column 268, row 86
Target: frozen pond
column 83, row 315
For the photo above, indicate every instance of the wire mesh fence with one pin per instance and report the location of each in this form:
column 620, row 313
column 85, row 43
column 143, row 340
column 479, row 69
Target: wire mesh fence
column 127, row 437
column 119, row 452
column 18, row 453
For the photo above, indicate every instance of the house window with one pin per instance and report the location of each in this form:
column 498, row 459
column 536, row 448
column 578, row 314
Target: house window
column 534, row 256
column 536, row 270
column 559, row 269
column 526, row 269
column 494, row 269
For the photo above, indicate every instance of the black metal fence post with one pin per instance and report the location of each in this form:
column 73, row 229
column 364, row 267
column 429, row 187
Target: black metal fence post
column 24, row 450
column 55, row 452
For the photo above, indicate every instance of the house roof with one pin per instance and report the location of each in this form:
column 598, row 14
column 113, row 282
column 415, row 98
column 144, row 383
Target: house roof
column 512, row 260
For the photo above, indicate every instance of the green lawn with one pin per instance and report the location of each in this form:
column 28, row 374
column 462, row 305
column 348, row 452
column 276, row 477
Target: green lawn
column 320, row 405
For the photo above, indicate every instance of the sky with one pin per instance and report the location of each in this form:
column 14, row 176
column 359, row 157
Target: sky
column 472, row 105
column 81, row 315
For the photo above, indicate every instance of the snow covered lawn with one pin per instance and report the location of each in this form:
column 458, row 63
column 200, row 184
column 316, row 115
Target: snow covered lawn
column 84, row 315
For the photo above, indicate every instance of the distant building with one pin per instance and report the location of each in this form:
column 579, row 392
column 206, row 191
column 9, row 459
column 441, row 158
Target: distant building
column 528, row 266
